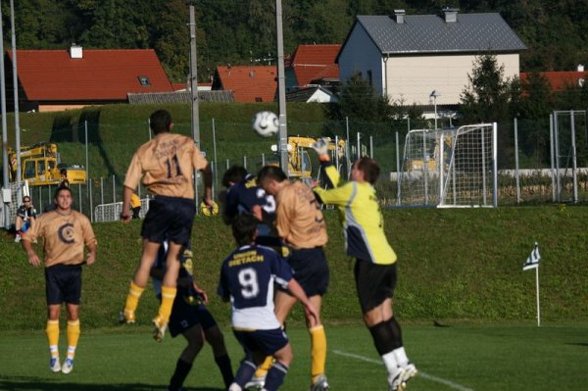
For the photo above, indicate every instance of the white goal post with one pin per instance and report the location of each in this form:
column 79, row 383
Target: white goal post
column 450, row 167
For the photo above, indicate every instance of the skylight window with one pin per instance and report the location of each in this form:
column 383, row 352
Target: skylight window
column 144, row 81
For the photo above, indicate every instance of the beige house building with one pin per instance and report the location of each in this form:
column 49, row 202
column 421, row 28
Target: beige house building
column 419, row 59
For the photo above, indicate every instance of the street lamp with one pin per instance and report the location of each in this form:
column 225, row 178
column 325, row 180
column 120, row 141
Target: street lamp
column 434, row 95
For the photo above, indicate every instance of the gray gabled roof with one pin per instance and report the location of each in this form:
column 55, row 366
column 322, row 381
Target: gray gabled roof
column 431, row 34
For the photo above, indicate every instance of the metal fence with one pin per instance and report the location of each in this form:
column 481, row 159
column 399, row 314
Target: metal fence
column 539, row 160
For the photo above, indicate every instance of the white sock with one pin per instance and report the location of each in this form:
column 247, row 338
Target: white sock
column 390, row 362
column 400, row 355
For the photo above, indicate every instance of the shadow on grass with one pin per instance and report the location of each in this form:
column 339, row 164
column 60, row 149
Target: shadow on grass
column 18, row 383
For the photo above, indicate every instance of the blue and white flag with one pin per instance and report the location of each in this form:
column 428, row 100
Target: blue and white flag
column 533, row 259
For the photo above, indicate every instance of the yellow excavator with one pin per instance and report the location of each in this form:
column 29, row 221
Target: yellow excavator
column 300, row 163
column 41, row 165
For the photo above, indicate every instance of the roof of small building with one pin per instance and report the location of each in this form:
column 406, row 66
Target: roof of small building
column 247, row 82
column 315, row 62
column 101, row 74
column 560, row 80
column 481, row 32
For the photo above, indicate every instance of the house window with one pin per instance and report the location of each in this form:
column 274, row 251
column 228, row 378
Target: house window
column 370, row 78
column 144, row 81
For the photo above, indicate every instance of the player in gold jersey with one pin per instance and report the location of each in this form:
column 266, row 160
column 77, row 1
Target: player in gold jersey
column 375, row 266
column 64, row 232
column 165, row 166
column 301, row 225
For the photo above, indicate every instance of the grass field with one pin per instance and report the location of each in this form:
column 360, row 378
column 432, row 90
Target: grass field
column 462, row 356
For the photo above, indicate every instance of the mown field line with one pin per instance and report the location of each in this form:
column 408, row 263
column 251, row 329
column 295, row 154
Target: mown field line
column 421, row 374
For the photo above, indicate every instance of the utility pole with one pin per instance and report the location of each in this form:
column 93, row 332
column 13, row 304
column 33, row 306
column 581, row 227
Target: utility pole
column 16, row 111
column 283, row 128
column 194, row 75
column 6, row 182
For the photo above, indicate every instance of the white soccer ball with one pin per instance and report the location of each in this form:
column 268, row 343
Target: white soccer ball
column 266, row 123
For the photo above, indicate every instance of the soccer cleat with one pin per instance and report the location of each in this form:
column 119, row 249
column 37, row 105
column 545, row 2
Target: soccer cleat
column 126, row 317
column 255, row 384
column 320, row 384
column 321, row 145
column 409, row 371
column 159, row 329
column 395, row 382
column 67, row 366
column 54, row 365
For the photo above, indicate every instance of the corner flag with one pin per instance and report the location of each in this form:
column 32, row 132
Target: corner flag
column 533, row 259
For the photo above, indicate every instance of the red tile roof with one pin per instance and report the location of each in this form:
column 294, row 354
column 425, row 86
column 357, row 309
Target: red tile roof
column 559, row 81
column 313, row 62
column 249, row 83
column 52, row 75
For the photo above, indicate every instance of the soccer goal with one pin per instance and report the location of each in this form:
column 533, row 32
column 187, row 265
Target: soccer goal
column 450, row 167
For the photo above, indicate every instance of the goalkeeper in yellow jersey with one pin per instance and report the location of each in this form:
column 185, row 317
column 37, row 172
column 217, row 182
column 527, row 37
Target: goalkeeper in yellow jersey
column 375, row 266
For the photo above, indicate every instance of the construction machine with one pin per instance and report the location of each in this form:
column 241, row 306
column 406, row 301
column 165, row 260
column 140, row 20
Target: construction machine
column 41, row 165
column 300, row 163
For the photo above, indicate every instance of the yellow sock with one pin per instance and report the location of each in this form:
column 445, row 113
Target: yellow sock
column 264, row 367
column 52, row 331
column 73, row 335
column 133, row 297
column 318, row 353
column 168, row 294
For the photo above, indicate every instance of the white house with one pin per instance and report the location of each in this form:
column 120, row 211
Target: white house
column 408, row 57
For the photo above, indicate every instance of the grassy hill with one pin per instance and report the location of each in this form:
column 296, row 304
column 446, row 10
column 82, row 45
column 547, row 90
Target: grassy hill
column 453, row 264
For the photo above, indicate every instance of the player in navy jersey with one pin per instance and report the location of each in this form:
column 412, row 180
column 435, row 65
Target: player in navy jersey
column 191, row 318
column 245, row 196
column 247, row 279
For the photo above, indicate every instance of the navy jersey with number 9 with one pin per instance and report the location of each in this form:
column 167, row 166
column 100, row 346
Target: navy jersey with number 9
column 247, row 279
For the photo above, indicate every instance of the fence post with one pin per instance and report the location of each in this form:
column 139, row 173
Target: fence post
column 215, row 161
column 516, row 141
column 398, row 170
column 552, row 154
column 574, row 157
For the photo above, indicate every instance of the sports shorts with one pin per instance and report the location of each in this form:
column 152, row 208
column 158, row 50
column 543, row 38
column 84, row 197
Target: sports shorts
column 310, row 270
column 374, row 283
column 169, row 218
column 266, row 341
column 185, row 316
column 63, row 284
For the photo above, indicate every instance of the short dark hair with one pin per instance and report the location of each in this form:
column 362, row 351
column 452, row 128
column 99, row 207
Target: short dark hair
column 160, row 121
column 26, row 199
column 234, row 174
column 370, row 169
column 59, row 189
column 271, row 173
column 244, row 227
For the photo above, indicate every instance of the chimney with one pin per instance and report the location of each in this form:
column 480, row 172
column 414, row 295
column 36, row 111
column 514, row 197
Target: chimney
column 75, row 51
column 450, row 14
column 399, row 16
column 580, row 67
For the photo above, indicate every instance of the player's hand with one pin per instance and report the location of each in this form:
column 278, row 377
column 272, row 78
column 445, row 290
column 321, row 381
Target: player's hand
column 202, row 294
column 91, row 259
column 126, row 217
column 34, row 259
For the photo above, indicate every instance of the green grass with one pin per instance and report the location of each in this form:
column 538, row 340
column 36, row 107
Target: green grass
column 461, row 356
column 453, row 264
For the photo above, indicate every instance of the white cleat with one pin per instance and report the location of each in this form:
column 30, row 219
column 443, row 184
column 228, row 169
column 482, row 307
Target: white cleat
column 67, row 366
column 255, row 384
column 159, row 329
column 409, row 371
column 320, row 384
column 395, row 382
column 54, row 365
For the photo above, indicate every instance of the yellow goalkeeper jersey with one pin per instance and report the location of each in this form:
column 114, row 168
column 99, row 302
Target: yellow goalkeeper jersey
column 363, row 224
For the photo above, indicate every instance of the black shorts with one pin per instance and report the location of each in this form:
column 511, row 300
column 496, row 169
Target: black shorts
column 169, row 218
column 310, row 270
column 374, row 283
column 185, row 316
column 63, row 283
column 266, row 341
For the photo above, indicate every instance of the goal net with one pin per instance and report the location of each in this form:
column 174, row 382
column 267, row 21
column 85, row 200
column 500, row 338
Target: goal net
column 449, row 168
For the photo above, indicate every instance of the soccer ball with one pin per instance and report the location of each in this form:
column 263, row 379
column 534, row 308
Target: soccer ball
column 266, row 123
